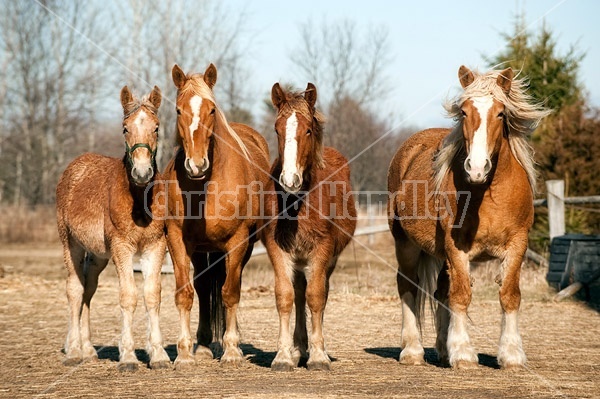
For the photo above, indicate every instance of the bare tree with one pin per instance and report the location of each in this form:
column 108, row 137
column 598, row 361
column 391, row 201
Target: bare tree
column 47, row 84
column 191, row 34
column 348, row 65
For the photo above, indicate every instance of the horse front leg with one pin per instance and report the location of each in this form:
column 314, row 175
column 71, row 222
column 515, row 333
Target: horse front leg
column 460, row 351
column 300, row 334
column 184, row 296
column 510, row 349
column 123, row 258
column 151, row 263
column 317, row 291
column 236, row 252
column 283, row 268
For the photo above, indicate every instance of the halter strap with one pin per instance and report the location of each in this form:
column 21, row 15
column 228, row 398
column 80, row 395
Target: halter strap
column 129, row 151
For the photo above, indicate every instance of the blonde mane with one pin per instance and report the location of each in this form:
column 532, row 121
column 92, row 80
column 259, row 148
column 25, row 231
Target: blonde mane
column 523, row 115
column 197, row 86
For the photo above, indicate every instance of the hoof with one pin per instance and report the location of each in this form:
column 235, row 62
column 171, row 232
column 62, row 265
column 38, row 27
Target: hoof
column 203, row 353
column 127, row 367
column 233, row 357
column 282, row 366
column 411, row 360
column 320, row 365
column 232, row 362
column 512, row 366
column 90, row 359
column 160, row 365
column 465, row 365
column 72, row 361
column 184, row 363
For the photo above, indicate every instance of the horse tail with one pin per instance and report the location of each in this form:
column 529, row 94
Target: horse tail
column 216, row 276
column 428, row 269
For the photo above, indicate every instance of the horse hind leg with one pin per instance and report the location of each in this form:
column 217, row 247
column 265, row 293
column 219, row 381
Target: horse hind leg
column 73, row 257
column 205, row 269
column 510, row 348
column 92, row 268
column 300, row 334
column 408, row 256
column 442, row 315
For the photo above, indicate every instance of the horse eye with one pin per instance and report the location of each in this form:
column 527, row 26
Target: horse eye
column 212, row 111
column 501, row 115
column 124, row 130
column 156, row 130
column 463, row 112
column 178, row 111
column 308, row 132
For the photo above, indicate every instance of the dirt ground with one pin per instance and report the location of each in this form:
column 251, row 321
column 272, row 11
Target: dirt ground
column 362, row 332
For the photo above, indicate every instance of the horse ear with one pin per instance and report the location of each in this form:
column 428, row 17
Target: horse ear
column 465, row 76
column 504, row 79
column 126, row 96
column 277, row 95
column 310, row 94
column 179, row 77
column 210, row 75
column 155, row 97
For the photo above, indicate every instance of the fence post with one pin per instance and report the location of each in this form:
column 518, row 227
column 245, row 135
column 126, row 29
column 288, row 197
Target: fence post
column 556, row 207
column 371, row 221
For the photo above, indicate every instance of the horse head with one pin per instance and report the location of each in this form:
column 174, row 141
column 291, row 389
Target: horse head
column 196, row 118
column 483, row 125
column 140, row 128
column 299, row 135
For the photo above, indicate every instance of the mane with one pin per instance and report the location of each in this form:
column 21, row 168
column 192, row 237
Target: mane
column 297, row 103
column 133, row 106
column 523, row 116
column 197, row 86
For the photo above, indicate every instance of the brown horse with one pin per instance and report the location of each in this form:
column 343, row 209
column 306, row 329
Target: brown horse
column 310, row 217
column 214, row 183
column 459, row 195
column 109, row 207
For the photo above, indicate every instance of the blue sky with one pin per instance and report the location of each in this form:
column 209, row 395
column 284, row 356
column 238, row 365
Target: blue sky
column 429, row 41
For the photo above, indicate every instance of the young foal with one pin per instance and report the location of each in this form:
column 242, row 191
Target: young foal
column 108, row 207
column 214, row 183
column 310, row 219
column 459, row 195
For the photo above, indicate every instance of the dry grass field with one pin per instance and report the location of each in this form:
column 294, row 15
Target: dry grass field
column 362, row 332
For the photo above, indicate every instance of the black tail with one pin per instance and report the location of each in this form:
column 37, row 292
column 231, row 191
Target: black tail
column 216, row 275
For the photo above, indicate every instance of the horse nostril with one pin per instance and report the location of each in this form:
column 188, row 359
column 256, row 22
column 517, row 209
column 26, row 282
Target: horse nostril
column 297, row 180
column 205, row 164
column 468, row 165
column 488, row 166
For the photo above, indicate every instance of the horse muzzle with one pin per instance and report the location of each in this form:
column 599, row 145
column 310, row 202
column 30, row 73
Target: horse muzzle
column 477, row 174
column 142, row 175
column 194, row 171
column 291, row 183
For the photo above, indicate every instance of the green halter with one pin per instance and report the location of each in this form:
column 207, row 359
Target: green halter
column 129, row 151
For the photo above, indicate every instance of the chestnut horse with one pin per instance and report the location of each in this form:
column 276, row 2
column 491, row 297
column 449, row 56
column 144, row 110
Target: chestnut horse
column 459, row 195
column 310, row 217
column 109, row 207
column 214, row 182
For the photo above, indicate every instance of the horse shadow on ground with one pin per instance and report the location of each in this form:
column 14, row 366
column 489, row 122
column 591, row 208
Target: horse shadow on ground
column 264, row 359
column 430, row 356
column 253, row 354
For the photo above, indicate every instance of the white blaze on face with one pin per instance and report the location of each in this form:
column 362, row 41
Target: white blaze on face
column 290, row 150
column 195, row 103
column 479, row 151
column 139, row 125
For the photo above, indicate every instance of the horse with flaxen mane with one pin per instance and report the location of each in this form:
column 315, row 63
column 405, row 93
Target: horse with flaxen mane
column 459, row 195
column 310, row 217
column 213, row 186
column 110, row 207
